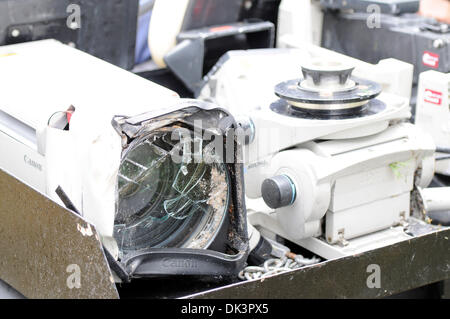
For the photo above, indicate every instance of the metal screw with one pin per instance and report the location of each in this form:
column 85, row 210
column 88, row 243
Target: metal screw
column 342, row 241
column 438, row 43
column 15, row 33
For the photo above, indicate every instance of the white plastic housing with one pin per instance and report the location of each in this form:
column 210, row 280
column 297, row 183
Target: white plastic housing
column 359, row 185
column 301, row 20
column 39, row 79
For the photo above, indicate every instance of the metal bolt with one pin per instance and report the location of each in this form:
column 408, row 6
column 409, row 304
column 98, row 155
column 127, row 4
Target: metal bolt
column 438, row 43
column 342, row 241
column 15, row 33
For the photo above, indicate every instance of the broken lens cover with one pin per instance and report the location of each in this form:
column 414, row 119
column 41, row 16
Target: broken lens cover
column 166, row 203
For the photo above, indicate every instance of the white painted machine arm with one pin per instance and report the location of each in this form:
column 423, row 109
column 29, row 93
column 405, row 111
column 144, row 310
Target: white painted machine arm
column 436, row 198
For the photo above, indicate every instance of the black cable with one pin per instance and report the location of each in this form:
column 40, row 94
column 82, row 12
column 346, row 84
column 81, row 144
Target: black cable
column 66, row 201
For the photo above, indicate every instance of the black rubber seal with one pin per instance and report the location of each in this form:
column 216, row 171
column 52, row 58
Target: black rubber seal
column 260, row 253
column 184, row 261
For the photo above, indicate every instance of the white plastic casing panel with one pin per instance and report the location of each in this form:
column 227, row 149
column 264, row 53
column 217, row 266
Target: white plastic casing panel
column 301, row 20
column 353, row 176
column 39, row 79
column 360, row 190
column 353, row 187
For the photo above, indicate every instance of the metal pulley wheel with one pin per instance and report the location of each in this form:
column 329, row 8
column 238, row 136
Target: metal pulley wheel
column 327, row 87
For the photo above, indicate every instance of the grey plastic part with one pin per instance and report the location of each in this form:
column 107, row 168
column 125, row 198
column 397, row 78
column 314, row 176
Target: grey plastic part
column 186, row 61
column 385, row 6
column 278, row 191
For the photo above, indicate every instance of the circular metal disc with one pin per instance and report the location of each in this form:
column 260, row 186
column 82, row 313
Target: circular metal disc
column 318, row 101
column 371, row 108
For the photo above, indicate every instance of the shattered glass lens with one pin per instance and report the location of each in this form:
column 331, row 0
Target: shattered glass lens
column 165, row 203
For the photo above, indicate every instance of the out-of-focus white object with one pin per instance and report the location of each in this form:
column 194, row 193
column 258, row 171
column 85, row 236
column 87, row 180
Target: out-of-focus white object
column 433, row 113
column 299, row 20
column 165, row 24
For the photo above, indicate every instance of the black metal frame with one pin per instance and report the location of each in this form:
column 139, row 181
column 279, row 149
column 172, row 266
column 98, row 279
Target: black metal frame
column 403, row 266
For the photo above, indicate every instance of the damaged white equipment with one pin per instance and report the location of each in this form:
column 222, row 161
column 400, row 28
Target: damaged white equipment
column 106, row 138
column 331, row 162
